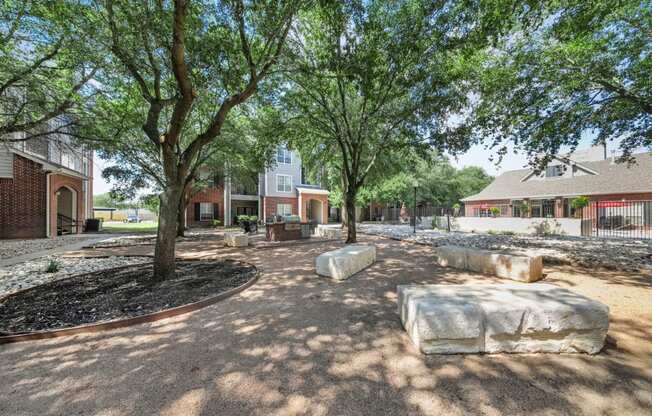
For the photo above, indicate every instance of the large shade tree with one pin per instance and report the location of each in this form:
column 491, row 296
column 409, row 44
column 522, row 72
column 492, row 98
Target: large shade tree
column 177, row 70
column 45, row 70
column 570, row 69
column 366, row 79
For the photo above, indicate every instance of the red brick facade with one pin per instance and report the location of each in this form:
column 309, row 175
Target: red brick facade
column 270, row 202
column 214, row 195
column 22, row 201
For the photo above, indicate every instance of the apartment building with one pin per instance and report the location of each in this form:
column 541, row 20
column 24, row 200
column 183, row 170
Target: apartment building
column 45, row 187
column 280, row 190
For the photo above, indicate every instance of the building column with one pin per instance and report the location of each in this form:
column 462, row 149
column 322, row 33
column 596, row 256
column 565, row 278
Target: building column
column 227, row 201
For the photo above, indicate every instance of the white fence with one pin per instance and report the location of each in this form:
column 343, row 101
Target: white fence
column 563, row 226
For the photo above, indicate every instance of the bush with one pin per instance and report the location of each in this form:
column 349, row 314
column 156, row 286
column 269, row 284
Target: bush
column 580, row 202
column 495, row 211
column 53, row 266
column 217, row 223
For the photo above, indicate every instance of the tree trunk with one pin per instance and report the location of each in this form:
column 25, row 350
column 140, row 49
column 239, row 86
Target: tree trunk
column 181, row 221
column 164, row 265
column 349, row 203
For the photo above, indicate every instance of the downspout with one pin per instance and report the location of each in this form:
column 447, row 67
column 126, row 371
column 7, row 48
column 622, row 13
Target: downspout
column 47, row 204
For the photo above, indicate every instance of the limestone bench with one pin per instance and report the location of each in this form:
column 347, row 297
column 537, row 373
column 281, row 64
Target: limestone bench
column 491, row 318
column 329, row 231
column 342, row 263
column 236, row 239
column 518, row 267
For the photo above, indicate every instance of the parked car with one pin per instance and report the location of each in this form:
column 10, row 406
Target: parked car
column 133, row 218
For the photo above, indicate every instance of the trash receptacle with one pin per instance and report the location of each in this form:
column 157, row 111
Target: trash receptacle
column 93, row 225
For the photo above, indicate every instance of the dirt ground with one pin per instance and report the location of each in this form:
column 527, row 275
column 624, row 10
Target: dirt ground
column 297, row 343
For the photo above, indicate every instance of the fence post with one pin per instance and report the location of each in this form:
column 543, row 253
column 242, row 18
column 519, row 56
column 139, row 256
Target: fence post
column 448, row 220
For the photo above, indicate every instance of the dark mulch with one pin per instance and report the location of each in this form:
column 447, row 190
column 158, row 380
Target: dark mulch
column 116, row 294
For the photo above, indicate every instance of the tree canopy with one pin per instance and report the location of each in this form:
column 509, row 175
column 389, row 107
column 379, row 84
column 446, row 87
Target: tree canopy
column 571, row 68
column 45, row 69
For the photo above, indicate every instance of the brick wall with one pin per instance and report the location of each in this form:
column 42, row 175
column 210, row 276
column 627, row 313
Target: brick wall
column 270, row 202
column 22, row 201
column 214, row 195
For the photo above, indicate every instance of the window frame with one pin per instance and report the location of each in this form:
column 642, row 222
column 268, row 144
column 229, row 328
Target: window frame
column 284, row 204
column 278, row 175
column 203, row 215
column 286, row 155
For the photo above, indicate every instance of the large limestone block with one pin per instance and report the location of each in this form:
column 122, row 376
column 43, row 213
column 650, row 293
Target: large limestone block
column 329, row 231
column 518, row 267
column 342, row 263
column 492, row 318
column 236, row 239
column 452, row 256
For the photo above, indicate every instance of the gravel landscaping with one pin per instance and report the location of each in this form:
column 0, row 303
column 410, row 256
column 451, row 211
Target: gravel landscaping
column 117, row 294
column 139, row 239
column 625, row 255
column 12, row 248
column 32, row 273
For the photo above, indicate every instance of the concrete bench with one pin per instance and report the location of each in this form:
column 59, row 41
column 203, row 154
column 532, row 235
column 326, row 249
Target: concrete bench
column 342, row 263
column 329, row 231
column 491, row 318
column 236, row 239
column 518, row 267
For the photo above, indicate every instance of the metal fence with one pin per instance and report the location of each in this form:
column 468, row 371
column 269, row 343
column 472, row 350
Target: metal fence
column 393, row 214
column 618, row 219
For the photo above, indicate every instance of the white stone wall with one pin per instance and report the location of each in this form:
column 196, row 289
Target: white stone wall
column 562, row 226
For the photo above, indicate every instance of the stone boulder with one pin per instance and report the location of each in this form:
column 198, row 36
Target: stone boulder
column 329, row 231
column 493, row 318
column 342, row 263
column 519, row 267
column 236, row 239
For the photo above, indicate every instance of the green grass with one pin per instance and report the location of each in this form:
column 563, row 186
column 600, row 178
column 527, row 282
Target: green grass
column 131, row 227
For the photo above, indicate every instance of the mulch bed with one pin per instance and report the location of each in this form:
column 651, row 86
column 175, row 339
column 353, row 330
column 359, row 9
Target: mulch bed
column 120, row 293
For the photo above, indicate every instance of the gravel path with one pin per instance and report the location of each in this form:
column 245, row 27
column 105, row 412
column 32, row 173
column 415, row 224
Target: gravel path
column 625, row 255
column 296, row 343
column 12, row 248
column 31, row 273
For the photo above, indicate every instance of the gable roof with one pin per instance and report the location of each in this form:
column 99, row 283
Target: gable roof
column 610, row 178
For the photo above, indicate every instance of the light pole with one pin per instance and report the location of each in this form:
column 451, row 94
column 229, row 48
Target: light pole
column 416, row 185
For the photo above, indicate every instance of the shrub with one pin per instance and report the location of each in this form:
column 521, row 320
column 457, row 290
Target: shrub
column 217, row 223
column 580, row 202
column 495, row 211
column 53, row 266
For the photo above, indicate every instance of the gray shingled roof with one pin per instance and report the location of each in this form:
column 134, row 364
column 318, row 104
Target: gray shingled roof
column 612, row 178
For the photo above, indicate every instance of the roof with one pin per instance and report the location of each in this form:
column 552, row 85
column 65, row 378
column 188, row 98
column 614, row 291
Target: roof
column 311, row 189
column 611, row 178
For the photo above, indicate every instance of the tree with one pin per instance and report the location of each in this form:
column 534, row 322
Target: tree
column 571, row 68
column 368, row 80
column 179, row 69
column 44, row 70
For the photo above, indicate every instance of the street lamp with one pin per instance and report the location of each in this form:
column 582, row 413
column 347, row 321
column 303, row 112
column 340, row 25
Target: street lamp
column 416, row 185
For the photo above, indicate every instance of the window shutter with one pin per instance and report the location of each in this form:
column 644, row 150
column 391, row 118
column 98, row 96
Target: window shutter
column 216, row 211
column 197, row 211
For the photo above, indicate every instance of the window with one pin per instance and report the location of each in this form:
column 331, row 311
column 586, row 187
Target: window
column 283, row 183
column 516, row 208
column 283, row 155
column 283, row 209
column 535, row 209
column 554, row 171
column 205, row 211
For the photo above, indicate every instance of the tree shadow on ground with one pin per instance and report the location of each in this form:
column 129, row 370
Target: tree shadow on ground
column 297, row 343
